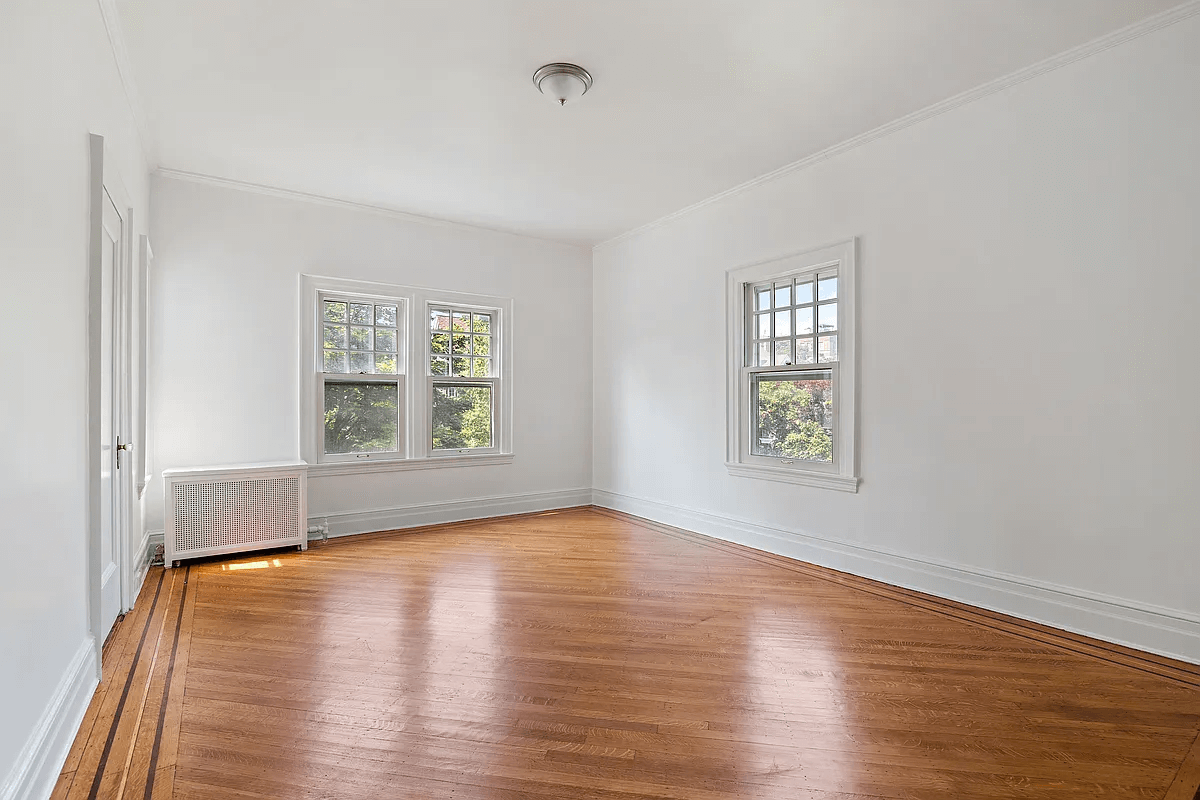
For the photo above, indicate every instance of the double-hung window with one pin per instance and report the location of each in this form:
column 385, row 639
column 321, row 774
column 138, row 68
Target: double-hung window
column 396, row 377
column 792, row 372
column 361, row 376
column 462, row 379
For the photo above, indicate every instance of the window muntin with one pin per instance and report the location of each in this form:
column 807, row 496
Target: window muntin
column 786, row 326
column 360, row 336
column 460, row 342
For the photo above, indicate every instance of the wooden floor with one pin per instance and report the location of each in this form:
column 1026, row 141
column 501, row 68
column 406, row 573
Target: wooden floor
column 583, row 654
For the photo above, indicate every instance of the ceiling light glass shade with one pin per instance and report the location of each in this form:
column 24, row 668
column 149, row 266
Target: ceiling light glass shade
column 562, row 82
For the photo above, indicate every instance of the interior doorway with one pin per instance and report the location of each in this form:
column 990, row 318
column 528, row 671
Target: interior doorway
column 110, row 466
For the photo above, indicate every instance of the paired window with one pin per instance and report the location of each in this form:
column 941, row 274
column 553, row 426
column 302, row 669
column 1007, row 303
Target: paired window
column 791, row 398
column 401, row 377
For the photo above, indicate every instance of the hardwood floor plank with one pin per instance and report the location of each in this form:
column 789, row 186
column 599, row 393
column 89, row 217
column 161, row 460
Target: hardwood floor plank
column 590, row 655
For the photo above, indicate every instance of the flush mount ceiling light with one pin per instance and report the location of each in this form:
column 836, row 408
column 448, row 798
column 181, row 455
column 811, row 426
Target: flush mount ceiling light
column 563, row 82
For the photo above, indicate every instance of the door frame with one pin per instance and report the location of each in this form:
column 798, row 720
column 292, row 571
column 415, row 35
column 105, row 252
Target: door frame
column 104, row 180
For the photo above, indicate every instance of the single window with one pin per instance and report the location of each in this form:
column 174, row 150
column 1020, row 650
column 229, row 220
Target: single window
column 464, row 377
column 361, row 377
column 791, row 385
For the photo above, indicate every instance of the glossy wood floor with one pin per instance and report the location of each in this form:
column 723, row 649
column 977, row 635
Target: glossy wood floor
column 583, row 654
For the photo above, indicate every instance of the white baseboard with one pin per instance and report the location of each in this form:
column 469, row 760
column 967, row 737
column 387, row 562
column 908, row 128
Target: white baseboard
column 1145, row 627
column 349, row 523
column 144, row 553
column 36, row 771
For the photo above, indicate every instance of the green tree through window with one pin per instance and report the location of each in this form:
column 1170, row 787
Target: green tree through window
column 794, row 418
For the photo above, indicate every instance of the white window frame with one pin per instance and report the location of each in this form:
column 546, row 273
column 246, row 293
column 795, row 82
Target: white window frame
column 494, row 380
column 842, row 473
column 396, row 379
column 413, row 377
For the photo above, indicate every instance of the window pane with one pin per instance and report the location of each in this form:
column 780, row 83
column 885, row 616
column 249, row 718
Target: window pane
column 440, row 343
column 361, row 417
column 385, row 316
column 764, row 354
column 439, row 320
column 827, row 288
column 803, row 292
column 361, row 313
column 804, row 351
column 804, row 320
column 481, row 368
column 385, row 364
column 764, row 326
column 459, row 367
column 335, row 336
column 385, row 340
column 827, row 348
column 362, row 362
column 483, row 323
column 783, row 294
column 462, row 321
column 439, row 366
column 360, row 338
column 827, row 317
column 762, row 299
column 783, row 352
column 783, row 323
column 335, row 311
column 462, row 344
column 483, row 345
column 335, row 361
column 793, row 416
column 462, row 416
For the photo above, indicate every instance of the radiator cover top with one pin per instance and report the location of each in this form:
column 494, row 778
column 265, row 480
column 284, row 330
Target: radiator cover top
column 218, row 510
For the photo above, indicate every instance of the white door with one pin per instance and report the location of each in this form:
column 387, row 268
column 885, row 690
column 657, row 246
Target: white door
column 114, row 463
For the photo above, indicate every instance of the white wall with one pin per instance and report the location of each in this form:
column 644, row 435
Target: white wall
column 224, row 359
column 60, row 83
column 1029, row 281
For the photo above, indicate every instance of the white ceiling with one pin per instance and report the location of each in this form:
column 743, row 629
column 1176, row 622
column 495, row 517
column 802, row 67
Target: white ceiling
column 428, row 106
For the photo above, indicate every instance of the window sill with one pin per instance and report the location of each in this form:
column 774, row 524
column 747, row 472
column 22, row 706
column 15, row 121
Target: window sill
column 404, row 464
column 819, row 480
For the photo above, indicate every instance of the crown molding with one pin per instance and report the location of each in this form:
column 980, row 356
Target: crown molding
column 351, row 205
column 116, row 41
column 1086, row 50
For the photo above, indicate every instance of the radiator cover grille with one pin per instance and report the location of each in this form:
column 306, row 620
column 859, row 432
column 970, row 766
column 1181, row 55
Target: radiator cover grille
column 224, row 510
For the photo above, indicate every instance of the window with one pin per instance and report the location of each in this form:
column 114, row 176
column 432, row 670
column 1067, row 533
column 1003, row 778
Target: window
column 401, row 378
column 791, row 369
column 362, row 377
column 462, row 379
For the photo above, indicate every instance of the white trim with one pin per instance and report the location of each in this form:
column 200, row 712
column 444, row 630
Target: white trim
column 842, row 474
column 1128, row 33
column 818, row 480
column 1153, row 629
column 349, row 523
column 351, row 205
column 334, row 468
column 116, row 41
column 36, row 769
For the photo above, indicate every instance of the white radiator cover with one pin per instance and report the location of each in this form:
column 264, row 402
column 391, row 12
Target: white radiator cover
column 228, row 509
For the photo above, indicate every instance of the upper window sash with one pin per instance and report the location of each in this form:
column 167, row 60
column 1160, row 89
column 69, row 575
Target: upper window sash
column 792, row 319
column 361, row 334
